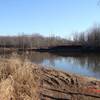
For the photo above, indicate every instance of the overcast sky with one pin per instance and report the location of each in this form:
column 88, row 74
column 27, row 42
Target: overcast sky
column 58, row 17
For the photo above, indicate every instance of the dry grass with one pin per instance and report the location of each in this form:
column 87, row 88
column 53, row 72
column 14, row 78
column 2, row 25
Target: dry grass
column 18, row 80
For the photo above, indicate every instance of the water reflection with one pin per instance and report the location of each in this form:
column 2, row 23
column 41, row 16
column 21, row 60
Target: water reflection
column 84, row 64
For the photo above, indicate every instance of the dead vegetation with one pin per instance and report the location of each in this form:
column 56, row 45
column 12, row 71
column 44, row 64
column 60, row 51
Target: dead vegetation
column 18, row 80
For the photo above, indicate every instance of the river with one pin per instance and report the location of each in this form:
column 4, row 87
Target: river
column 82, row 64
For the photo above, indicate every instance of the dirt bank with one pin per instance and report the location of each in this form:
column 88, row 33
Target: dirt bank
column 22, row 80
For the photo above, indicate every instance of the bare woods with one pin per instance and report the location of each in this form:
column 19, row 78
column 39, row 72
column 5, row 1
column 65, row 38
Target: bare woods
column 30, row 41
column 88, row 38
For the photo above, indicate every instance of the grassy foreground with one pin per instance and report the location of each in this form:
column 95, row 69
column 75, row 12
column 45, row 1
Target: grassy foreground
column 18, row 80
column 23, row 80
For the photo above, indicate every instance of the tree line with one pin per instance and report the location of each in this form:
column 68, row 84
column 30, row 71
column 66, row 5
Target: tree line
column 31, row 41
column 88, row 38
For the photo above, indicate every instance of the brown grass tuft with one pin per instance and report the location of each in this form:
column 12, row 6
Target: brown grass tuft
column 18, row 80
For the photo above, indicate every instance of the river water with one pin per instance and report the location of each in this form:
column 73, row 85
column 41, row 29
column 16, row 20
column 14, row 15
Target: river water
column 83, row 64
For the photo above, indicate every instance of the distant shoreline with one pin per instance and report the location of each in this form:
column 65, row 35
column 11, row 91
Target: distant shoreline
column 69, row 49
column 54, row 49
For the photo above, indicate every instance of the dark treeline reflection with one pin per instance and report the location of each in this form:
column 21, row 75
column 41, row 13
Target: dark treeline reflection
column 88, row 61
column 92, row 62
column 38, row 57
